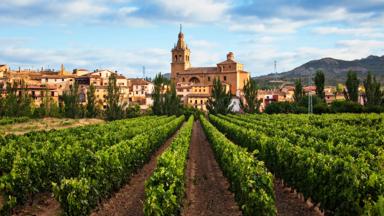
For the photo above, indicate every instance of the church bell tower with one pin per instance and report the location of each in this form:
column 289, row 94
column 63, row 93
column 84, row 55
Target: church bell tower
column 180, row 57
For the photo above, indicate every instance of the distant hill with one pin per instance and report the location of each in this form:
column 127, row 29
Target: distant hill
column 335, row 70
column 167, row 75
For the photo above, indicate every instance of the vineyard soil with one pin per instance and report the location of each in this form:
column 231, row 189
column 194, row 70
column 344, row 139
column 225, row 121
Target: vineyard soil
column 288, row 204
column 128, row 201
column 42, row 205
column 207, row 188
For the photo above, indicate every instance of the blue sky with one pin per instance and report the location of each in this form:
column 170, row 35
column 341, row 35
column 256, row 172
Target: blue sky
column 125, row 35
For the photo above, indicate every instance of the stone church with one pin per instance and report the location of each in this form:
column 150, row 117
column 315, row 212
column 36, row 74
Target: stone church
column 194, row 84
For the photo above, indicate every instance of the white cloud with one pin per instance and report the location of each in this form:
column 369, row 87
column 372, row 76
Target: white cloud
column 267, row 26
column 128, row 62
column 195, row 10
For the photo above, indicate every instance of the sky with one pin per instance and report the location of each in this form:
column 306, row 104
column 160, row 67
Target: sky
column 125, row 35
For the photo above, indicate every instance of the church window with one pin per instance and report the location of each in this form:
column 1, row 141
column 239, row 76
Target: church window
column 175, row 57
column 180, row 59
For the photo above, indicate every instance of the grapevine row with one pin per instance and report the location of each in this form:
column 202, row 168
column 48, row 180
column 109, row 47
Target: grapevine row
column 343, row 186
column 249, row 179
column 165, row 188
column 109, row 170
column 32, row 170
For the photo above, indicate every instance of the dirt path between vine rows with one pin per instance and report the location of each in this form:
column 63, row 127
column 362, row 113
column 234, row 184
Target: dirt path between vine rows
column 128, row 201
column 288, row 204
column 207, row 188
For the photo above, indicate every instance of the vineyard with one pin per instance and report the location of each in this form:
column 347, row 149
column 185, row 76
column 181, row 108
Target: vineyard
column 336, row 161
column 220, row 165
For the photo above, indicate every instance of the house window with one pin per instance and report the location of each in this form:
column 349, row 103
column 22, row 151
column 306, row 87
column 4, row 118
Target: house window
column 33, row 93
column 137, row 92
column 209, row 79
column 201, row 101
column 62, row 80
column 225, row 78
column 195, row 101
column 183, row 79
column 52, row 94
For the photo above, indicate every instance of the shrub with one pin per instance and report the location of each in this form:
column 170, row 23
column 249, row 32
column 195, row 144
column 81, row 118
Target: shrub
column 346, row 107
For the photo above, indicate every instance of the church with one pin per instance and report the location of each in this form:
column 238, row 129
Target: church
column 194, row 84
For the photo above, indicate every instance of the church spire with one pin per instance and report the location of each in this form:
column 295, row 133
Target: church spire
column 181, row 43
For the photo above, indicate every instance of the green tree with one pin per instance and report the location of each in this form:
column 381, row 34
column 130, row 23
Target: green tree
column 17, row 101
column 351, row 93
column 165, row 99
column 319, row 82
column 172, row 103
column 299, row 91
column 132, row 111
column 373, row 94
column 220, row 100
column 114, row 109
column 157, row 96
column 91, row 102
column 252, row 104
column 71, row 102
column 48, row 106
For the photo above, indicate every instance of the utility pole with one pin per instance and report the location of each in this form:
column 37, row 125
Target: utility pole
column 310, row 103
column 143, row 72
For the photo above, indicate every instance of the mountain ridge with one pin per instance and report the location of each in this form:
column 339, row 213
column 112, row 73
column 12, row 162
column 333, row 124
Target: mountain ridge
column 335, row 70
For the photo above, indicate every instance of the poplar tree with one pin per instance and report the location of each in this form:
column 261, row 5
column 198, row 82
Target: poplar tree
column 299, row 92
column 91, row 102
column 220, row 100
column 351, row 93
column 319, row 82
column 114, row 110
column 373, row 94
column 250, row 95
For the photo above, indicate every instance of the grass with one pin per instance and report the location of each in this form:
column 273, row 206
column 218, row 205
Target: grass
column 45, row 124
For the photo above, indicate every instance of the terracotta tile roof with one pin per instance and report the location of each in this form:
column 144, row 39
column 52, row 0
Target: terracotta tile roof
column 228, row 61
column 198, row 95
column 138, row 81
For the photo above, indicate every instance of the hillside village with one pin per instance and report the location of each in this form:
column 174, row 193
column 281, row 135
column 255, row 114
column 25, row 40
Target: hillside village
column 193, row 84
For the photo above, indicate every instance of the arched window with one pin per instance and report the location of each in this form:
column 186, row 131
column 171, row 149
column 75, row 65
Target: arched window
column 183, row 79
column 194, row 80
column 209, row 79
column 175, row 57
